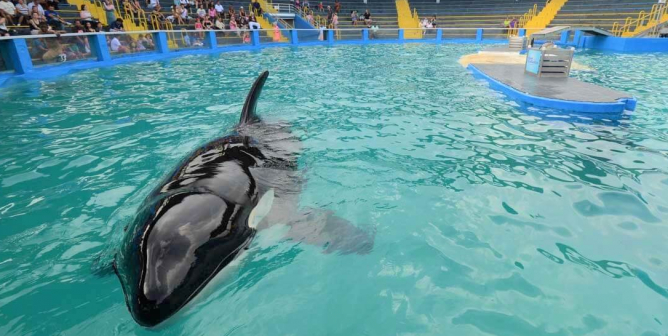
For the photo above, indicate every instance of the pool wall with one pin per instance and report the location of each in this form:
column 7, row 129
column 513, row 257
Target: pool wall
column 15, row 52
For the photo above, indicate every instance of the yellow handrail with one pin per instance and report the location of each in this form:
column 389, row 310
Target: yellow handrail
column 631, row 27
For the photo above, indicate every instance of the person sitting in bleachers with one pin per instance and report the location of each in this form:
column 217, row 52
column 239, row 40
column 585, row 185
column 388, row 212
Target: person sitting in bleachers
column 86, row 16
column 77, row 27
column 219, row 24
column 367, row 18
column 4, row 31
column 7, row 11
column 150, row 4
column 201, row 12
column 54, row 19
column 88, row 27
column 219, row 8
column 117, row 25
column 22, row 12
column 39, row 10
column 433, row 21
column 34, row 23
column 257, row 8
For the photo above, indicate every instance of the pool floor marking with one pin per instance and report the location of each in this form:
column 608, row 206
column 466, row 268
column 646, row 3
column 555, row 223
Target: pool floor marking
column 560, row 93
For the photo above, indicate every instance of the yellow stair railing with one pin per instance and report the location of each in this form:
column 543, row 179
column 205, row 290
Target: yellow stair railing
column 523, row 20
column 408, row 20
column 533, row 21
column 634, row 26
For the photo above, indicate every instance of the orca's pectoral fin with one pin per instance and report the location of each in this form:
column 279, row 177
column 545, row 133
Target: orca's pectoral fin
column 333, row 233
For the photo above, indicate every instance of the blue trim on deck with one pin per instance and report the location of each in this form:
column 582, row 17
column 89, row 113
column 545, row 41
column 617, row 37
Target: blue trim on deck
column 577, row 106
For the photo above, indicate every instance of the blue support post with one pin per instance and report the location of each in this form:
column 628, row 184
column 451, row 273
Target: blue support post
column 294, row 39
column 98, row 45
column 255, row 38
column 330, row 36
column 522, row 32
column 19, row 56
column 161, row 43
column 439, row 34
column 210, row 39
column 564, row 36
column 401, row 34
column 578, row 39
column 365, row 34
column 478, row 35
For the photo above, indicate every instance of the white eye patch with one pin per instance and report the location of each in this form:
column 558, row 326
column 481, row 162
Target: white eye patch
column 261, row 209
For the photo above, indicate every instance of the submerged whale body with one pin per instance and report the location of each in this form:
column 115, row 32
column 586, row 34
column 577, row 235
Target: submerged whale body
column 206, row 212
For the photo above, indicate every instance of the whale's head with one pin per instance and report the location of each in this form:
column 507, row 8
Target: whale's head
column 187, row 231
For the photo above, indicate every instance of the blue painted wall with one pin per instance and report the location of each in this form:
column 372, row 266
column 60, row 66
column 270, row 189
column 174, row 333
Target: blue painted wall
column 300, row 23
column 621, row 44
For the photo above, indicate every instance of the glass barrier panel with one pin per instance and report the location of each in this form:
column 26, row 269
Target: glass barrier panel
column 383, row 34
column 125, row 44
column 270, row 36
column 497, row 34
column 52, row 49
column 453, row 34
column 186, row 39
column 309, row 35
column 4, row 66
column 226, row 38
column 348, row 34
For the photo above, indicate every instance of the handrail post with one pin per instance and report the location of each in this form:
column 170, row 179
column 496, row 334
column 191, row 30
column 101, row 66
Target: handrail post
column 439, row 34
column 478, row 35
column 294, row 38
column 330, row 36
column 160, row 40
column 365, row 35
column 211, row 41
column 401, row 34
column 98, row 44
column 522, row 32
column 255, row 38
column 19, row 56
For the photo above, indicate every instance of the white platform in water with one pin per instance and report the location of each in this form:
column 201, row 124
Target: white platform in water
column 505, row 57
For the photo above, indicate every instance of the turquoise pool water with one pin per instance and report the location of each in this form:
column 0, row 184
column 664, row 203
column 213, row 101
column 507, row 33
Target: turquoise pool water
column 491, row 218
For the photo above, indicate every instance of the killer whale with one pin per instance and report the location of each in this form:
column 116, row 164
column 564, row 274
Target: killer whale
column 207, row 211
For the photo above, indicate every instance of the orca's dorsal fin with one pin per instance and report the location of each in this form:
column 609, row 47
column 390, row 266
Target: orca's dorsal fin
column 248, row 113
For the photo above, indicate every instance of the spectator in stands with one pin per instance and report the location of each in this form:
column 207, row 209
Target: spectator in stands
column 54, row 20
column 128, row 7
column 353, row 17
column 233, row 26
column 309, row 17
column 136, row 5
column 78, row 27
column 257, row 8
column 184, row 15
column 374, row 32
column 297, row 4
column 45, row 29
column 201, row 13
column 88, row 27
column 36, row 4
column 150, row 4
column 219, row 8
column 116, row 46
column 337, row 6
column 230, row 12
column 53, row 3
column 242, row 13
column 54, row 51
column 7, row 11
column 34, row 23
column 212, row 12
column 329, row 15
column 207, row 24
column 663, row 32
column 335, row 20
column 252, row 22
column 178, row 15
column 185, row 4
column 433, row 21
column 219, row 24
column 321, row 7
column 109, row 11
column 86, row 16
column 38, row 48
column 277, row 33
column 367, row 18
column 22, row 12
column 4, row 31
column 147, row 41
column 198, row 24
column 117, row 25
column 306, row 5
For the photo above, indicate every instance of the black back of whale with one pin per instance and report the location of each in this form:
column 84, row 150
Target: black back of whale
column 192, row 225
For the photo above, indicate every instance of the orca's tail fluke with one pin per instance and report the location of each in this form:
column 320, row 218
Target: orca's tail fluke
column 248, row 113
